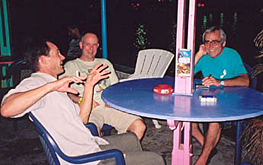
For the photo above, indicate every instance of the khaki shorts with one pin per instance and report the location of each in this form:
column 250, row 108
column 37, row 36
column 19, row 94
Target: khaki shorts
column 118, row 119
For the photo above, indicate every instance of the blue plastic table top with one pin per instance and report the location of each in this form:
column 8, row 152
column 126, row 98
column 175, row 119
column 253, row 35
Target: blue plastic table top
column 137, row 97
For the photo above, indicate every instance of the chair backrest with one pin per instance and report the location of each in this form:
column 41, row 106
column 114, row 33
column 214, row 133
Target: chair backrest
column 49, row 145
column 52, row 150
column 152, row 63
column 252, row 80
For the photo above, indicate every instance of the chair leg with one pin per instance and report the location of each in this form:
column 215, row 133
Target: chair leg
column 156, row 124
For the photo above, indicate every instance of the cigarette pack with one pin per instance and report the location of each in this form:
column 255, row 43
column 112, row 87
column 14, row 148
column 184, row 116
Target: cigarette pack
column 207, row 98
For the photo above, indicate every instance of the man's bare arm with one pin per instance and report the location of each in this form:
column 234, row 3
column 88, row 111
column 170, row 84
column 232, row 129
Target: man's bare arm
column 241, row 80
column 74, row 98
column 19, row 102
column 202, row 51
column 95, row 75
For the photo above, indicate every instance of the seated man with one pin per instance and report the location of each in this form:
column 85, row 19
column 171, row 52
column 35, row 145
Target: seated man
column 220, row 66
column 46, row 97
column 101, row 113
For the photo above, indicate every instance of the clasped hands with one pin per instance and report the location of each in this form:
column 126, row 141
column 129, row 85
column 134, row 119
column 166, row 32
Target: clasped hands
column 209, row 80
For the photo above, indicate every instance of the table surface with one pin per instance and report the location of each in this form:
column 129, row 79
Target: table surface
column 137, row 97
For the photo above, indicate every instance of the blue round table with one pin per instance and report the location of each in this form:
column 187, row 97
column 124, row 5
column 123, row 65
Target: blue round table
column 233, row 103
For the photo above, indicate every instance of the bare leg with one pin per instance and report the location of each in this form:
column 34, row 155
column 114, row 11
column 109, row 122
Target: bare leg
column 211, row 140
column 99, row 131
column 138, row 127
column 196, row 133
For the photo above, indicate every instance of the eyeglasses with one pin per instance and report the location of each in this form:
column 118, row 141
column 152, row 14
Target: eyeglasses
column 213, row 42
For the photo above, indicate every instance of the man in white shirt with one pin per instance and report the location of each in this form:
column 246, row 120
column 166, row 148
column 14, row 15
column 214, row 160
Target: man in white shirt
column 46, row 97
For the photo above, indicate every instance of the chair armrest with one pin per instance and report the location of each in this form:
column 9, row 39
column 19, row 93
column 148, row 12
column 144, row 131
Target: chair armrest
column 93, row 129
column 130, row 77
column 113, row 153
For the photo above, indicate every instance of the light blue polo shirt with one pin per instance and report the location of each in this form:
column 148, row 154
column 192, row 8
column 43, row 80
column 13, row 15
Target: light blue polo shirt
column 227, row 65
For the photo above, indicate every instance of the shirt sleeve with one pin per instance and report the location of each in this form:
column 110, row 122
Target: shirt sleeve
column 26, row 85
column 238, row 66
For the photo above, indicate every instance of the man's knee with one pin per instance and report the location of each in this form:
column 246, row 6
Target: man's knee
column 194, row 126
column 214, row 129
column 144, row 158
column 215, row 126
column 138, row 127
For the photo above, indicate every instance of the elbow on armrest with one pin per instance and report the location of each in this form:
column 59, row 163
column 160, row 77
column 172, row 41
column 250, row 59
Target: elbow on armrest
column 246, row 83
column 244, row 80
column 5, row 112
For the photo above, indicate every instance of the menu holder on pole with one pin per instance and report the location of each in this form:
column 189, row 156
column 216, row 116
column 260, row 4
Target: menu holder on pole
column 184, row 72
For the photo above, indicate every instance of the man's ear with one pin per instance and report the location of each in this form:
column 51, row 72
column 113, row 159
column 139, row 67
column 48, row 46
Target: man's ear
column 42, row 60
column 224, row 44
column 80, row 44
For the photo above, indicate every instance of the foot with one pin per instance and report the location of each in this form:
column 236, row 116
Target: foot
column 212, row 154
column 202, row 161
column 156, row 124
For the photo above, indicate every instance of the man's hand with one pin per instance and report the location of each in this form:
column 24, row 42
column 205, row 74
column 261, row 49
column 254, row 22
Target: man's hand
column 95, row 104
column 15, row 104
column 107, row 106
column 62, row 85
column 209, row 80
column 202, row 51
column 87, row 103
column 97, row 73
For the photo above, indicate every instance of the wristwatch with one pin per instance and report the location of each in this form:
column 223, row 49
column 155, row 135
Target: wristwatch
column 222, row 82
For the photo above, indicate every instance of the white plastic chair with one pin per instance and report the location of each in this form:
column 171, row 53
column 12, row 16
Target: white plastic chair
column 151, row 63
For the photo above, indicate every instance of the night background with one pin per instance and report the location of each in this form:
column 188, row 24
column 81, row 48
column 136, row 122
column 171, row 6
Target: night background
column 132, row 25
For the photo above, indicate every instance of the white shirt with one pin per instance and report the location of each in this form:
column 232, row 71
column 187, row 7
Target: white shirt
column 60, row 116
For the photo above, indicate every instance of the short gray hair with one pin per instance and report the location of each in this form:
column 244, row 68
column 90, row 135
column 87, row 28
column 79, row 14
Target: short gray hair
column 82, row 37
column 213, row 29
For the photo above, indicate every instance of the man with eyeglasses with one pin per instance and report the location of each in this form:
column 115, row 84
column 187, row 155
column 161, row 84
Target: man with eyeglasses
column 101, row 112
column 220, row 66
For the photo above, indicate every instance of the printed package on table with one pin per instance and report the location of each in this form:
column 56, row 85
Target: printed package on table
column 183, row 63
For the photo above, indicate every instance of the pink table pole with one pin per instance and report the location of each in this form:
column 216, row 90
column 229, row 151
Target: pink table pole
column 182, row 151
column 191, row 34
